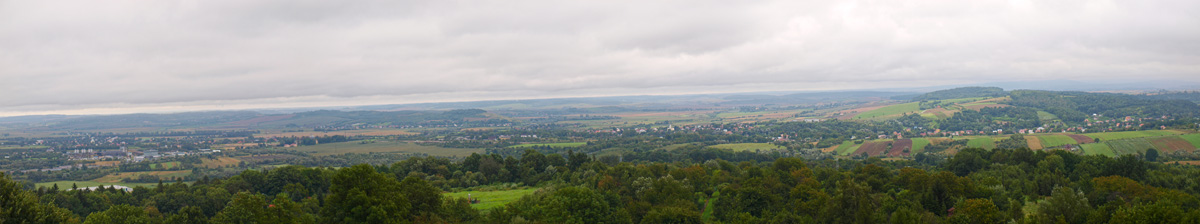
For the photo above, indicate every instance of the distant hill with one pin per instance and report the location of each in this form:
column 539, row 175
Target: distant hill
column 963, row 92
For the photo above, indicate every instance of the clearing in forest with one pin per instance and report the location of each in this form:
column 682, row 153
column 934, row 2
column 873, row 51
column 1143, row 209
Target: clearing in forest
column 491, row 199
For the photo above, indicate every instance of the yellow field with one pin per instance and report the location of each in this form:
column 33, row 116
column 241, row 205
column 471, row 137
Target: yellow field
column 220, row 162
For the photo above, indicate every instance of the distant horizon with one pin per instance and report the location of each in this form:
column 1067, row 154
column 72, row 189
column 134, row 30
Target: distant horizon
column 323, row 104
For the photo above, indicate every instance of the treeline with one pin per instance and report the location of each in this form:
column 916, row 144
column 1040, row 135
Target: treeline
column 1075, row 107
column 974, row 186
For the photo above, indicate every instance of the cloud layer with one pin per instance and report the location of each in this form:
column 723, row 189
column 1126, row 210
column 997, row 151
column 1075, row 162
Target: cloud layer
column 60, row 55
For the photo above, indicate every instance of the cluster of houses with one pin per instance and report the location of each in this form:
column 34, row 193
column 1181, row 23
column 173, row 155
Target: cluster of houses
column 127, row 154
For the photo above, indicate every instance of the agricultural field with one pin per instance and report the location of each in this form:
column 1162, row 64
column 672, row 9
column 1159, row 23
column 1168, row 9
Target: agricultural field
column 1171, row 144
column 362, row 132
column 1046, row 116
column 166, row 165
column 1192, row 138
column 901, row 147
column 738, row 147
column 1081, row 139
column 873, row 148
column 220, row 162
column 492, row 199
column 165, row 175
column 1106, row 136
column 848, row 148
column 1097, row 149
column 564, row 144
column 890, row 111
column 981, row 142
column 1129, row 146
column 1051, row 141
column 918, row 145
column 384, row 146
column 1034, row 142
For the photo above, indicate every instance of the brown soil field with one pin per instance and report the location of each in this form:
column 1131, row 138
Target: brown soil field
column 1193, row 162
column 899, row 147
column 873, row 148
column 220, row 162
column 1172, row 144
column 1034, row 142
column 257, row 120
column 1082, row 139
column 830, row 149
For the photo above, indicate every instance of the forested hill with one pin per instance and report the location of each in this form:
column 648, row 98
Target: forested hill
column 964, row 92
column 1075, row 107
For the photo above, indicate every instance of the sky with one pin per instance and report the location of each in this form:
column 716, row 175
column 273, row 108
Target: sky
column 106, row 57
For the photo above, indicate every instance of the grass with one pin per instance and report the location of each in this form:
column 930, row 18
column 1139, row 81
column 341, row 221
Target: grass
column 1192, row 138
column 1106, row 136
column 564, row 144
column 1097, row 149
column 738, row 147
column 1050, row 141
column 1046, row 116
column 384, row 146
column 918, row 145
column 66, row 184
column 846, row 148
column 981, row 142
column 889, row 111
column 492, row 199
column 708, row 207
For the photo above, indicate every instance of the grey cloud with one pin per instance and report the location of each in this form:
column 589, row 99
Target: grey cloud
column 80, row 54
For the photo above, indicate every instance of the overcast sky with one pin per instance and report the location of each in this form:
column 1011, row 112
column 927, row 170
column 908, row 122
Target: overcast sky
column 88, row 57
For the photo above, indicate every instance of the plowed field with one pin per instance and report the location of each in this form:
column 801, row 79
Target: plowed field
column 901, row 147
column 873, row 148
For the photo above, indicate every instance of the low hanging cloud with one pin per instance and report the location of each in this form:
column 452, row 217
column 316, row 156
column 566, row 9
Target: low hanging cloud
column 82, row 55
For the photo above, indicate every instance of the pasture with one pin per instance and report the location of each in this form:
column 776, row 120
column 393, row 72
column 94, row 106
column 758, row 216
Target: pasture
column 563, row 144
column 918, row 145
column 738, row 147
column 384, row 146
column 491, row 199
column 1192, row 138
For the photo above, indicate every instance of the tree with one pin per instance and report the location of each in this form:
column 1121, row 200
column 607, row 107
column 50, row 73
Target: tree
column 361, row 195
column 673, row 215
column 1064, row 204
column 980, row 211
column 20, row 206
column 245, row 207
column 1152, row 155
column 188, row 215
column 120, row 214
column 426, row 200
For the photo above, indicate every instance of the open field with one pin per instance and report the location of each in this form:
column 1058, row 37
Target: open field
column 1171, row 144
column 1193, row 162
column 981, row 142
column 872, row 148
column 363, row 132
column 901, row 147
column 66, row 184
column 1192, row 138
column 1097, row 149
column 1034, row 142
column 564, row 144
column 166, row 165
column 492, row 199
column 918, row 145
column 165, row 175
column 1081, row 139
column 738, row 147
column 890, row 111
column 1051, row 141
column 1129, row 146
column 220, row 162
column 1105, row 136
column 850, row 148
column 384, row 146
